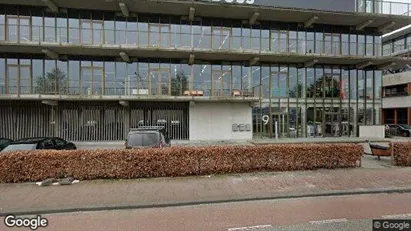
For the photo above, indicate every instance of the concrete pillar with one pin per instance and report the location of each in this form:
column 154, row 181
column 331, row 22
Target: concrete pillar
column 355, row 119
column 250, row 73
column 395, row 116
column 409, row 116
column 57, row 121
column 303, row 121
column 127, row 113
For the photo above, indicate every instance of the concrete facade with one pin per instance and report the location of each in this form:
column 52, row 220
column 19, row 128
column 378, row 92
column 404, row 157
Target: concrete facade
column 214, row 121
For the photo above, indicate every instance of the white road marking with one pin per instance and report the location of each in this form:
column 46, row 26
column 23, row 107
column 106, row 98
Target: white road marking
column 328, row 221
column 396, row 216
column 251, row 228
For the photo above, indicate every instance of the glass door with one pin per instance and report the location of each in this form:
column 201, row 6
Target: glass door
column 154, row 34
column 97, row 80
column 86, row 80
column 25, row 82
column 12, row 77
column 12, row 28
column 86, row 32
column 165, row 82
column 24, row 29
column 153, row 80
column 97, row 32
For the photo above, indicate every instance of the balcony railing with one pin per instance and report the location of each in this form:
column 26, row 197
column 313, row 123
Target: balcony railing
column 134, row 89
column 200, row 40
column 384, row 7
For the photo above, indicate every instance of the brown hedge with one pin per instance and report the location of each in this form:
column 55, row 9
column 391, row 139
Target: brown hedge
column 175, row 161
column 402, row 153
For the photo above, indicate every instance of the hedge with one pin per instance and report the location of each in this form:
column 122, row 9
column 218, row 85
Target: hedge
column 175, row 161
column 402, row 153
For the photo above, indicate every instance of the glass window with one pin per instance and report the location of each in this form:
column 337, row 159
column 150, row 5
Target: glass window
column 2, row 27
column 387, row 49
column 361, row 45
column 62, row 30
column 12, row 76
column 265, row 81
column 361, row 84
column 37, row 28
column 109, row 37
column 121, row 76
column 310, row 42
column 110, row 79
column 246, row 38
column 293, row 41
column 74, row 77
column 132, row 32
column 301, row 45
column 265, row 40
column 49, row 83
column 202, row 78
column 2, row 76
column 378, row 83
column 293, row 90
column 370, row 84
column 255, row 39
column 237, row 77
column 353, row 45
column 283, row 81
column 38, row 73
column 50, row 29
column 353, row 84
column 143, row 34
column 12, row 28
column 399, row 45
column 345, row 46
column 199, row 35
column 319, row 42
column 74, row 31
column 61, row 76
column 369, row 45
column 310, row 83
column 300, row 89
column 345, row 85
column 121, row 32
column 319, row 82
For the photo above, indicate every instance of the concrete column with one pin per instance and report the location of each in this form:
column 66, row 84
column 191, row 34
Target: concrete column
column 303, row 121
column 409, row 116
column 355, row 119
column 250, row 73
column 395, row 116
column 57, row 120
column 127, row 113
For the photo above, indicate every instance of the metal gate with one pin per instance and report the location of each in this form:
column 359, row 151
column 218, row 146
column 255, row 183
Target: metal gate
column 90, row 121
column 20, row 119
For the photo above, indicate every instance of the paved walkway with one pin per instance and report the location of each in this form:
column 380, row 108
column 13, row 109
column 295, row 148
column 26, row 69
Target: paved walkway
column 106, row 194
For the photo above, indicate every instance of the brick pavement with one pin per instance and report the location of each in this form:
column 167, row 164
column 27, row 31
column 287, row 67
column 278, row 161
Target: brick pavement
column 146, row 192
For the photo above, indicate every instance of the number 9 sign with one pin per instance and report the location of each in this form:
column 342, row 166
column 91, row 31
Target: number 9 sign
column 266, row 119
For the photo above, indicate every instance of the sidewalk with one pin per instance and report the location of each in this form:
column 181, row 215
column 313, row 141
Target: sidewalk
column 145, row 193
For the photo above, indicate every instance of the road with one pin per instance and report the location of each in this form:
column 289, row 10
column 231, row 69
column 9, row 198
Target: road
column 321, row 213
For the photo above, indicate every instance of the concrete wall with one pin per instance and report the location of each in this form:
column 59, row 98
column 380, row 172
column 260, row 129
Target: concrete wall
column 397, row 79
column 397, row 102
column 372, row 131
column 213, row 121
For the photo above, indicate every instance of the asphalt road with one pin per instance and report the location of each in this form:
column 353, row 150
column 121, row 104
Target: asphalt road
column 326, row 213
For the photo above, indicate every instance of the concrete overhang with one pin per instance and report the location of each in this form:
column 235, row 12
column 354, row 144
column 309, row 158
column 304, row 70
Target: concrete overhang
column 231, row 11
column 54, row 99
column 243, row 56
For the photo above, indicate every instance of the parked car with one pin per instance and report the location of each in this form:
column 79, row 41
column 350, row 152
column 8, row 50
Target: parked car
column 40, row 143
column 4, row 142
column 148, row 137
column 398, row 129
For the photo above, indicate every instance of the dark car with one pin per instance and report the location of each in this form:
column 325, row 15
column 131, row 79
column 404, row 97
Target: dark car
column 398, row 129
column 4, row 142
column 148, row 137
column 53, row 143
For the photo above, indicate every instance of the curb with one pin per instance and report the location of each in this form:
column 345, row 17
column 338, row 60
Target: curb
column 193, row 203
